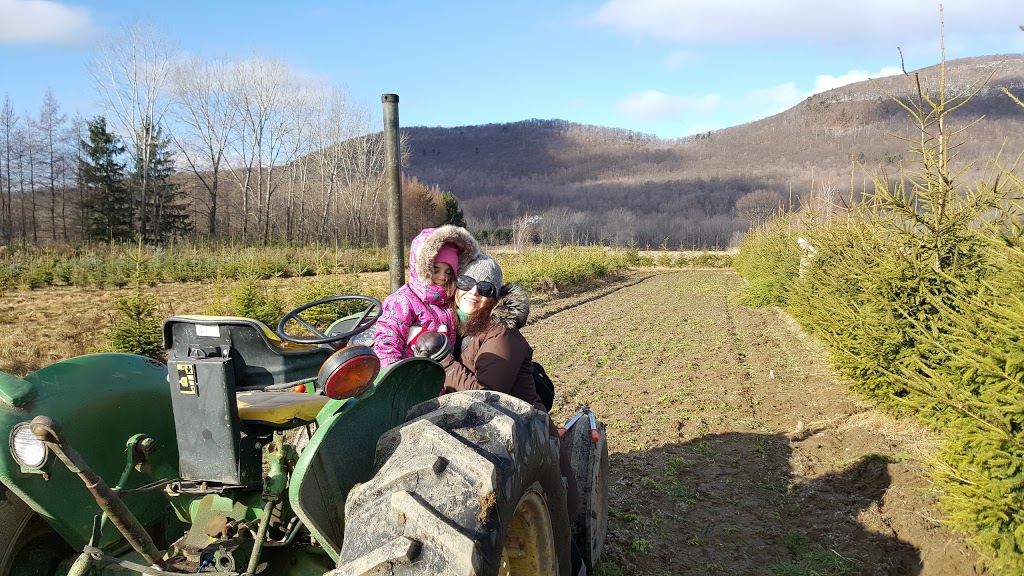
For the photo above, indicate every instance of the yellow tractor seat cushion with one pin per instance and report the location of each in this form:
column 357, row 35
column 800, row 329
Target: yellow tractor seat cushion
column 280, row 408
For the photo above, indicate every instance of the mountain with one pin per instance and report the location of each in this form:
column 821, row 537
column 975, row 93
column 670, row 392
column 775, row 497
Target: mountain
column 595, row 183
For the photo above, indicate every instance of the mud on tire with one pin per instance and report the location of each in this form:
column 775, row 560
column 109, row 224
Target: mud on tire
column 470, row 485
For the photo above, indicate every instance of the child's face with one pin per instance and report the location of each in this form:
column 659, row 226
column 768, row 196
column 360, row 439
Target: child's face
column 442, row 274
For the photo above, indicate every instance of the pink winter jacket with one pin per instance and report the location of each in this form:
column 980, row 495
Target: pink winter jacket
column 419, row 303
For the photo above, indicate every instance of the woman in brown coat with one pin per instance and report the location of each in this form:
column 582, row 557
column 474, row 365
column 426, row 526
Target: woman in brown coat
column 491, row 353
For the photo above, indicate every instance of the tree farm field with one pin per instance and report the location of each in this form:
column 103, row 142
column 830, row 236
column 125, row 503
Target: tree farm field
column 734, row 449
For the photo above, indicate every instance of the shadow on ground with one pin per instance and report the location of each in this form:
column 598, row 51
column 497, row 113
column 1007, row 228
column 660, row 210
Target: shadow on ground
column 729, row 504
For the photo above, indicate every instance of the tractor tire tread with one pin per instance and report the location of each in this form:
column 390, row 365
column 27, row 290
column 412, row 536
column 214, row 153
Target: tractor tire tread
column 430, row 507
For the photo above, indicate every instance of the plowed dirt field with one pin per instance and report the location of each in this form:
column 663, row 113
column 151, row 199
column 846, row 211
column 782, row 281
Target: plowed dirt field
column 734, row 449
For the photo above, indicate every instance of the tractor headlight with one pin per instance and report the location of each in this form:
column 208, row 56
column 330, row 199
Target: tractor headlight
column 28, row 451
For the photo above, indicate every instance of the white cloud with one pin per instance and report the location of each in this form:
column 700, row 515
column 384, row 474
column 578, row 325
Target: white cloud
column 764, row 102
column 827, row 22
column 43, row 21
column 708, row 110
column 655, row 106
column 776, row 98
column 828, row 82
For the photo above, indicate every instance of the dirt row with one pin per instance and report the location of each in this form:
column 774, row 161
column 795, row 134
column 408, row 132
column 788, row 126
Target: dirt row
column 734, row 449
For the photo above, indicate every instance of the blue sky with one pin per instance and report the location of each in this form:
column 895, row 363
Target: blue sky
column 663, row 67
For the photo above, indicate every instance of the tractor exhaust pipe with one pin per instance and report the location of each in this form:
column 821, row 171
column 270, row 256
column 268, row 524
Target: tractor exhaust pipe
column 393, row 161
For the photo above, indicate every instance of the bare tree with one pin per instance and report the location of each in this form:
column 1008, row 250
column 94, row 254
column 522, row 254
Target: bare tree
column 758, row 206
column 23, row 146
column 52, row 126
column 263, row 95
column 827, row 193
column 306, row 99
column 132, row 73
column 362, row 176
column 560, row 225
column 29, row 143
column 350, row 167
column 206, row 115
column 522, row 230
column 327, row 138
column 8, row 134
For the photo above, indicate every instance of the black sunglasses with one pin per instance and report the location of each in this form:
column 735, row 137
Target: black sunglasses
column 485, row 289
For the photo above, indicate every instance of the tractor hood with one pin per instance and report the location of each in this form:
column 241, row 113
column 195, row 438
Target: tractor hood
column 101, row 401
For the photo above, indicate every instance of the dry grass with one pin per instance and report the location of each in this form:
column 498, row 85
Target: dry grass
column 910, row 436
column 45, row 326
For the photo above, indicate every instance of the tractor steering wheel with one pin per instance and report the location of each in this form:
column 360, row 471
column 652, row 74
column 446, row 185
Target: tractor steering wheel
column 364, row 322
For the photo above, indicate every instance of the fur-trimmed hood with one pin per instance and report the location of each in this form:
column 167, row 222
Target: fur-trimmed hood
column 513, row 306
column 425, row 246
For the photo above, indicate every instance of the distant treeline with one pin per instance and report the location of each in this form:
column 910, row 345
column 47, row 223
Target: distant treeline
column 250, row 151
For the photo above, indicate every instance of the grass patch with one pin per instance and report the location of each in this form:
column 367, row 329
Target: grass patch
column 822, row 563
column 624, row 516
column 639, row 547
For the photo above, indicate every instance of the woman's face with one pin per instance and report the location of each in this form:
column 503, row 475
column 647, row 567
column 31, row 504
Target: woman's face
column 470, row 302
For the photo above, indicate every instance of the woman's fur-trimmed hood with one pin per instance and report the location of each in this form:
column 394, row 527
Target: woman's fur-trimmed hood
column 513, row 306
column 425, row 246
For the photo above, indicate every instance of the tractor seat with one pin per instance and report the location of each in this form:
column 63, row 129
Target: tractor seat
column 259, row 357
column 280, row 410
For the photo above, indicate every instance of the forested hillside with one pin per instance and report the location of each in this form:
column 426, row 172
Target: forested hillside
column 594, row 183
column 253, row 151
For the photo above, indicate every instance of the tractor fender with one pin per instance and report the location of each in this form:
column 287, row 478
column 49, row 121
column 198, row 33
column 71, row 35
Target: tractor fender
column 340, row 454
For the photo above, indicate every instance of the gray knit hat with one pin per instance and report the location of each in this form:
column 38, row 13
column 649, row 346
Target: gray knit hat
column 483, row 268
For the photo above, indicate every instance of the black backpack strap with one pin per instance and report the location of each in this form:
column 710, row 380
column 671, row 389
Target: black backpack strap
column 545, row 386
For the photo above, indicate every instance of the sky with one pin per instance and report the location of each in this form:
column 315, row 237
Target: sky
column 669, row 68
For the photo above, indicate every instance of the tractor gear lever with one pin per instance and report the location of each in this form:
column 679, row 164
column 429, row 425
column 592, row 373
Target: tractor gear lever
column 433, row 345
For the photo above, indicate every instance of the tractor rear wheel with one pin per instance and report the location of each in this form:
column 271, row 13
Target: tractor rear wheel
column 28, row 546
column 590, row 466
column 470, row 485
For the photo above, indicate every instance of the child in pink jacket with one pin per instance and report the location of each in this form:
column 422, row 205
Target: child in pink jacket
column 424, row 302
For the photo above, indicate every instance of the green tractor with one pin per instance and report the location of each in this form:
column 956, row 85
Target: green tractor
column 255, row 452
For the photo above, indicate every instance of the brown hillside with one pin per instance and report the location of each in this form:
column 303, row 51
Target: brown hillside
column 595, row 183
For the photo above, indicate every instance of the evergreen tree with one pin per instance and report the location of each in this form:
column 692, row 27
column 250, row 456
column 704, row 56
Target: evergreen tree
column 165, row 209
column 137, row 330
column 452, row 213
column 107, row 204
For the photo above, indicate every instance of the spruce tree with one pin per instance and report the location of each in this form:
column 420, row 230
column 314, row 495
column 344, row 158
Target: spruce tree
column 166, row 212
column 137, row 330
column 452, row 212
column 107, row 203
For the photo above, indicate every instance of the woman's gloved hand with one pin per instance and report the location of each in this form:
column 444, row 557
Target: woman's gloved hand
column 433, row 345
